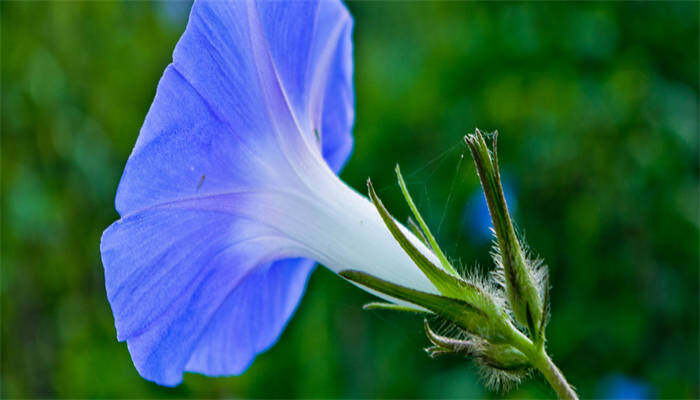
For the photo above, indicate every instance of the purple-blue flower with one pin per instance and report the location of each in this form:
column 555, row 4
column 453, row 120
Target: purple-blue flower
column 230, row 193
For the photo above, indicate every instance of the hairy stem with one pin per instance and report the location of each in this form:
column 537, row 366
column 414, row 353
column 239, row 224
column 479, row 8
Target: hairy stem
column 554, row 376
column 540, row 359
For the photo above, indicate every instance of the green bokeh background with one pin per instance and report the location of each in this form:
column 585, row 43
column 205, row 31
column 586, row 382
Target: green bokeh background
column 597, row 109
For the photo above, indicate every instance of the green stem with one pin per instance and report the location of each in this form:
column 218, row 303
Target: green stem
column 541, row 360
column 554, row 376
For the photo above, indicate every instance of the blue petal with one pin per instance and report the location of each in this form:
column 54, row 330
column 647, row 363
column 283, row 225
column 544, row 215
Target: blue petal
column 194, row 282
column 258, row 324
column 338, row 113
column 197, row 288
column 185, row 151
column 319, row 87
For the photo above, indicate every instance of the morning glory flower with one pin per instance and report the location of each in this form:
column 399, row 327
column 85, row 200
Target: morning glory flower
column 230, row 194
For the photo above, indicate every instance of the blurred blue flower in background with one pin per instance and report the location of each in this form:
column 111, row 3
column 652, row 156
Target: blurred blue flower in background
column 172, row 13
column 618, row 386
column 476, row 220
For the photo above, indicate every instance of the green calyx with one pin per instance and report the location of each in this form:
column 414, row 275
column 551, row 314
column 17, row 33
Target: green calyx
column 498, row 322
column 465, row 315
column 449, row 284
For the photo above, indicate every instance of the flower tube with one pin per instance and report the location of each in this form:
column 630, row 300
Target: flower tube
column 230, row 194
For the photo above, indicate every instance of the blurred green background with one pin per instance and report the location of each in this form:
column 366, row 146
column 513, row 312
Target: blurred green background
column 597, row 109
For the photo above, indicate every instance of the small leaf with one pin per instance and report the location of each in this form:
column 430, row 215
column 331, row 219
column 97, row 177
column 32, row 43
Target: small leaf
column 429, row 236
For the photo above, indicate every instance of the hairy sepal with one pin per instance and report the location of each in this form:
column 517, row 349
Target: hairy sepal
column 393, row 307
column 424, row 227
column 449, row 285
column 519, row 277
column 467, row 316
column 501, row 365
